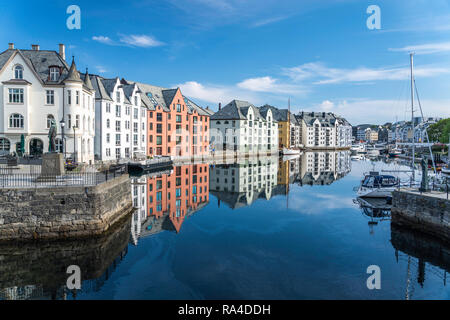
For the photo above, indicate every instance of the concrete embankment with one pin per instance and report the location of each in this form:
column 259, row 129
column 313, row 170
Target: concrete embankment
column 63, row 212
column 427, row 212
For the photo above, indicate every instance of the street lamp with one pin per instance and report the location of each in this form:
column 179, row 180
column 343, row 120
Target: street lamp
column 63, row 149
column 74, row 145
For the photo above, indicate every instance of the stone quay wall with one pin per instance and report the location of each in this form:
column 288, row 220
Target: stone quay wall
column 63, row 212
column 427, row 212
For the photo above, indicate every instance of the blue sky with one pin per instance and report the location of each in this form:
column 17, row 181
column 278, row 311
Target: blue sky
column 319, row 53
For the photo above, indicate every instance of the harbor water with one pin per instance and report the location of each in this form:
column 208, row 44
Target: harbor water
column 258, row 229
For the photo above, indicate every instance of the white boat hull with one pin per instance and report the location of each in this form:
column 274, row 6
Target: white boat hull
column 375, row 192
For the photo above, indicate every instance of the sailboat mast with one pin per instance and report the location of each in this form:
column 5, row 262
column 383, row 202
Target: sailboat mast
column 412, row 116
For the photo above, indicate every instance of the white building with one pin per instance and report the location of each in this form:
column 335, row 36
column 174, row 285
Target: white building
column 323, row 168
column 318, row 129
column 239, row 126
column 121, row 125
column 139, row 196
column 240, row 184
column 36, row 87
column 324, row 130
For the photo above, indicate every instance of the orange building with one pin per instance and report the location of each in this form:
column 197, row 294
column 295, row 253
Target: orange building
column 176, row 125
column 175, row 196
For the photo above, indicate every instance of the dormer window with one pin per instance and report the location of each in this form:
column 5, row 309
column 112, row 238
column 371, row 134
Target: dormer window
column 54, row 73
column 18, row 72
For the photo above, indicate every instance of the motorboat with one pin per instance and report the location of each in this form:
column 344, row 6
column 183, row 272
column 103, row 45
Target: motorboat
column 357, row 157
column 375, row 185
column 358, row 148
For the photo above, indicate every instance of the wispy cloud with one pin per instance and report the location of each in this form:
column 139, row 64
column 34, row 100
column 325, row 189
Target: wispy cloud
column 267, row 21
column 359, row 111
column 269, row 84
column 101, row 69
column 325, row 75
column 140, row 41
column 103, row 39
column 427, row 48
column 143, row 41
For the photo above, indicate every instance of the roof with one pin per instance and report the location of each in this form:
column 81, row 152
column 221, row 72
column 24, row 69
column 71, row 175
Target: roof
column 326, row 119
column 236, row 110
column 40, row 61
column 278, row 114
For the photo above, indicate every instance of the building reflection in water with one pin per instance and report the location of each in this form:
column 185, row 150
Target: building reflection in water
column 240, row 184
column 422, row 255
column 164, row 200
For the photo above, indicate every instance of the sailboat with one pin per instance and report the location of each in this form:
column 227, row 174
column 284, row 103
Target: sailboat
column 287, row 151
column 374, row 185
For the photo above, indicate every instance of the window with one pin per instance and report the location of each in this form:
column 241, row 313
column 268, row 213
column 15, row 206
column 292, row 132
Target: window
column 54, row 74
column 69, row 97
column 118, row 126
column 15, row 95
column 108, row 138
column 178, row 118
column 159, row 128
column 135, row 127
column 108, row 107
column 77, row 121
column 159, row 116
column 178, row 107
column 117, row 111
column 50, row 97
column 108, row 123
column 159, row 140
column 135, row 139
column 117, row 153
column 117, row 96
column 118, row 140
column 18, row 72
column 135, row 100
column 77, row 98
column 69, row 121
column 16, row 121
column 59, row 145
column 50, row 118
column 5, row 145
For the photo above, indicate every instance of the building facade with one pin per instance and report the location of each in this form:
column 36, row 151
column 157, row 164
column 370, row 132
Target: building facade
column 318, row 129
column 39, row 88
column 241, row 127
column 289, row 129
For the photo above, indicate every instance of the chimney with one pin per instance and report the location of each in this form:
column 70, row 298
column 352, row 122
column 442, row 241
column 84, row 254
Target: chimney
column 220, row 106
column 62, row 51
column 35, row 47
column 10, row 45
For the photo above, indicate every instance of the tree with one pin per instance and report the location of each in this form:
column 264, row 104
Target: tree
column 439, row 132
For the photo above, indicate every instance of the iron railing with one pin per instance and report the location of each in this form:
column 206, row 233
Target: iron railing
column 32, row 178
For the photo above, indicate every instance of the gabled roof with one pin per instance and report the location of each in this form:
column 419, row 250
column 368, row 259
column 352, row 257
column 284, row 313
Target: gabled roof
column 278, row 114
column 326, row 119
column 40, row 62
column 236, row 110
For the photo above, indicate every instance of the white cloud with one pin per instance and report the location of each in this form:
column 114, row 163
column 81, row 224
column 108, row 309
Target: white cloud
column 267, row 21
column 101, row 69
column 140, row 41
column 269, row 84
column 103, row 39
column 209, row 93
column 427, row 48
column 358, row 111
column 325, row 75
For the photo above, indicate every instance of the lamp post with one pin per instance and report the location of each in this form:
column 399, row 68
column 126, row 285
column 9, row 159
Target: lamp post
column 74, row 145
column 63, row 148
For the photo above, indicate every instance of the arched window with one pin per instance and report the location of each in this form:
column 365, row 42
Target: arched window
column 5, row 145
column 18, row 72
column 16, row 121
column 50, row 118
column 218, row 122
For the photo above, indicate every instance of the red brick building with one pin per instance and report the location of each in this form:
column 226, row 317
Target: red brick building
column 176, row 125
column 177, row 195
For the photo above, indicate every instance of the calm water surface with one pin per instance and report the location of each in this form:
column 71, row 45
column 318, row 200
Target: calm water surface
column 297, row 234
